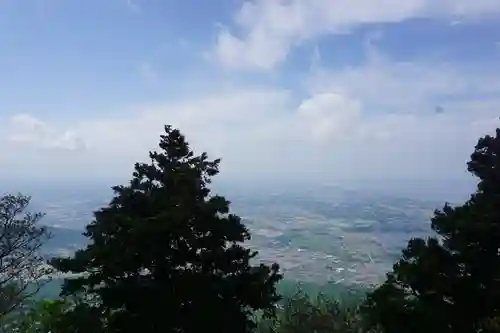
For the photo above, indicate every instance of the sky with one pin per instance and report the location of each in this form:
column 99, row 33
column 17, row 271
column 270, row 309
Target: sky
column 319, row 91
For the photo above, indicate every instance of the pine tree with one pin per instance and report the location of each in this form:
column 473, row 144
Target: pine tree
column 450, row 282
column 167, row 256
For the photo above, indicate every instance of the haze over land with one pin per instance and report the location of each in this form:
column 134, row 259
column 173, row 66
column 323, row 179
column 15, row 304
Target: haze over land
column 319, row 234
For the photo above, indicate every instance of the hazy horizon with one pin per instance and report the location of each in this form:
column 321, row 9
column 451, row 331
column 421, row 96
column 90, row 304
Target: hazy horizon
column 438, row 191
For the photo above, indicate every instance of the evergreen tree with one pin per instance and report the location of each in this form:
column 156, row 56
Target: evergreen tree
column 450, row 282
column 167, row 256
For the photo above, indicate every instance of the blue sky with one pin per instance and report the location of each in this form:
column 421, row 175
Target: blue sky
column 335, row 91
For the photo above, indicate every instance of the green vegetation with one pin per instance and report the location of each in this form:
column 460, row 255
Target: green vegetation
column 304, row 313
column 165, row 256
column 165, row 245
column 20, row 241
column 450, row 282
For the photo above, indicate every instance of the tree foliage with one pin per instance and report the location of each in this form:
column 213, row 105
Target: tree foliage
column 63, row 315
column 301, row 313
column 39, row 317
column 450, row 282
column 167, row 256
column 21, row 263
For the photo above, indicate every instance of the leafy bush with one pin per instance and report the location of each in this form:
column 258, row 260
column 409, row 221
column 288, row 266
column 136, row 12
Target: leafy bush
column 303, row 313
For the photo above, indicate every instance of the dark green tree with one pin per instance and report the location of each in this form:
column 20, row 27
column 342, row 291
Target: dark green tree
column 450, row 282
column 167, row 256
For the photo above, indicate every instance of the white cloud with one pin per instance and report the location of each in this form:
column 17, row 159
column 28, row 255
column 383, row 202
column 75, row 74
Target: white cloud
column 266, row 135
column 266, row 30
column 407, row 87
column 374, row 121
column 28, row 130
column 328, row 116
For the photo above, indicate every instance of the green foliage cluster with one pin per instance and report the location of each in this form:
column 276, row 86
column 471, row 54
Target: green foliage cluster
column 167, row 256
column 450, row 282
column 165, row 245
column 41, row 316
column 304, row 313
column 20, row 261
